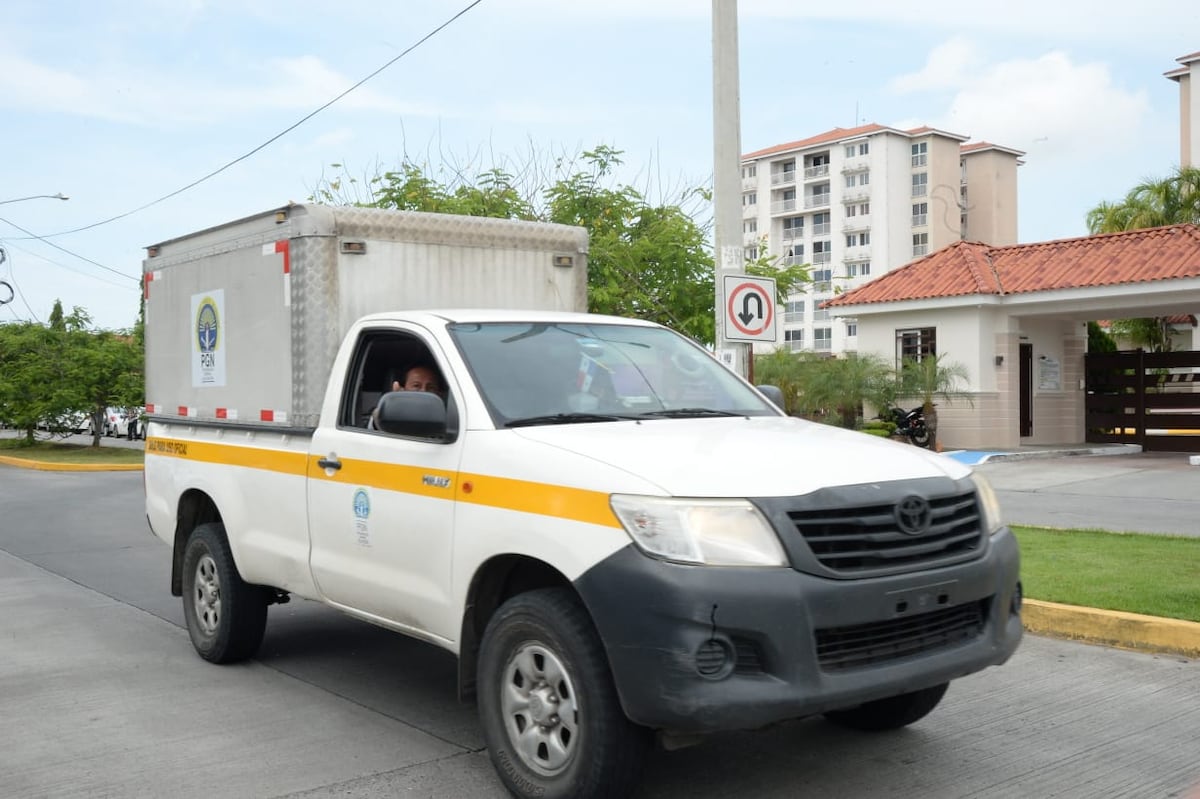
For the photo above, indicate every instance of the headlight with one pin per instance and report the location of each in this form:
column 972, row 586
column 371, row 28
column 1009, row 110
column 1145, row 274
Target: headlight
column 988, row 504
column 716, row 532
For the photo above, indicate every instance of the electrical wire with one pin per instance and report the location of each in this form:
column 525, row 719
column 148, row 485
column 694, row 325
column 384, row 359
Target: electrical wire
column 43, row 239
column 104, row 280
column 269, row 141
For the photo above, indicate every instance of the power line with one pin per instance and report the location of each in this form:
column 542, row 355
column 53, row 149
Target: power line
column 271, row 140
column 40, row 257
column 44, row 240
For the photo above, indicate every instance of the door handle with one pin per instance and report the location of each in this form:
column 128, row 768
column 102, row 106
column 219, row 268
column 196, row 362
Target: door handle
column 330, row 463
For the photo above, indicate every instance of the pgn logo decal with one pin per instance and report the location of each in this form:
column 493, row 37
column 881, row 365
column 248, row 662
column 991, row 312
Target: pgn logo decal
column 362, row 511
column 208, row 349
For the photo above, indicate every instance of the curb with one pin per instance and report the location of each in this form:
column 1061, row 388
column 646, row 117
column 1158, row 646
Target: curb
column 1112, row 627
column 46, row 466
column 1120, row 449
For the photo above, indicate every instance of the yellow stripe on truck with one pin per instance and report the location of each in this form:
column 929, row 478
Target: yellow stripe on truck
column 524, row 496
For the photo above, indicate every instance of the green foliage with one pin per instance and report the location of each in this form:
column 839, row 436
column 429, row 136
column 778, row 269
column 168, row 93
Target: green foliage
column 1098, row 340
column 51, row 373
column 932, row 378
column 1152, row 203
column 827, row 388
column 786, row 371
column 648, row 260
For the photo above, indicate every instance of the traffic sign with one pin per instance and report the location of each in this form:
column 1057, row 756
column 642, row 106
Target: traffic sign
column 749, row 308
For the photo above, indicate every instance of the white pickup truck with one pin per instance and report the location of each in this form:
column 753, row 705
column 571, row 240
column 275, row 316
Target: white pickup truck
column 616, row 535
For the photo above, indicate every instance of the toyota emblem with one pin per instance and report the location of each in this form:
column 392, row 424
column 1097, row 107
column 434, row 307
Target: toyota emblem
column 913, row 515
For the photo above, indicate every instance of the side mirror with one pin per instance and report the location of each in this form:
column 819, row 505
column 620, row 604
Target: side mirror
column 419, row 414
column 773, row 393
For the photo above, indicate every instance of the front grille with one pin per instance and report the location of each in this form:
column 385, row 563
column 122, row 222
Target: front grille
column 842, row 648
column 852, row 540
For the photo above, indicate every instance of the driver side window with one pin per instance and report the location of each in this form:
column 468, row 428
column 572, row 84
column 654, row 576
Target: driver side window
column 386, row 361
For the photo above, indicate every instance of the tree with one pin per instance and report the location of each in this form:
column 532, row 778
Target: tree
column 1152, row 203
column 931, row 378
column 842, row 385
column 649, row 260
column 1098, row 340
column 786, row 371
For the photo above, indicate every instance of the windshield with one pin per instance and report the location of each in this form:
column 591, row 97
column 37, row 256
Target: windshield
column 542, row 373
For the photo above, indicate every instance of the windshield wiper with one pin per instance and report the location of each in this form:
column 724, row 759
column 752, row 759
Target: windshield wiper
column 566, row 418
column 690, row 413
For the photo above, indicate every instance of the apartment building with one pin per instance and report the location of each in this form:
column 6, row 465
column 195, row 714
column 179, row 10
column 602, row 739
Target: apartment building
column 856, row 203
column 1188, row 77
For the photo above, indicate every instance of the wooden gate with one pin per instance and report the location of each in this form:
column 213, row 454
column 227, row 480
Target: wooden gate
column 1146, row 398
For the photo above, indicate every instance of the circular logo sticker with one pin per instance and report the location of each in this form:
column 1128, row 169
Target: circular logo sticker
column 207, row 325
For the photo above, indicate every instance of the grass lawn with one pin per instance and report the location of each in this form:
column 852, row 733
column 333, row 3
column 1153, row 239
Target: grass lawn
column 1152, row 574
column 54, row 452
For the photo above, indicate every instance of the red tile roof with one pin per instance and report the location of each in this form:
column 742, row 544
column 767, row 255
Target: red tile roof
column 968, row 267
column 841, row 134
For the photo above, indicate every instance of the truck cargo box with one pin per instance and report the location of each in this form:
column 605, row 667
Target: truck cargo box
column 243, row 320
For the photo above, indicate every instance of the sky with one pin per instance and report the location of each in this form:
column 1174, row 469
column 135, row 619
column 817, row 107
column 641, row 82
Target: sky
column 120, row 104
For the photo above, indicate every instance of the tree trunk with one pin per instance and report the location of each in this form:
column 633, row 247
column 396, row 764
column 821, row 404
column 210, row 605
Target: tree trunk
column 931, row 424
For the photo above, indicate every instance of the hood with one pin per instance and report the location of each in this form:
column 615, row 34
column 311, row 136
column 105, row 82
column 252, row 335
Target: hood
column 759, row 456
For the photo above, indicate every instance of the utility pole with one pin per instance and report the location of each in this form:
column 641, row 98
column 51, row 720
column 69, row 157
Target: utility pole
column 727, row 170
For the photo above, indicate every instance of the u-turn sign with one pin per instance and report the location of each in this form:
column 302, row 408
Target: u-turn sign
column 749, row 308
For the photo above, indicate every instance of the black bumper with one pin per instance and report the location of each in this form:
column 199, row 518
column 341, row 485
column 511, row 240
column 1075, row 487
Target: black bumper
column 697, row 649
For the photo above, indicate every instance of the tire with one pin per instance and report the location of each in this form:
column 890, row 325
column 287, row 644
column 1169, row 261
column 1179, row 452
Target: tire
column 920, row 436
column 551, row 718
column 892, row 713
column 225, row 615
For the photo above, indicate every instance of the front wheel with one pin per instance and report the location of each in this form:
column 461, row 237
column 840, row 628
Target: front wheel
column 225, row 615
column 891, row 713
column 551, row 718
column 920, row 436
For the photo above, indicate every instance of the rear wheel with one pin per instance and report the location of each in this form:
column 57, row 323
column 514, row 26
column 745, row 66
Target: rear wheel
column 225, row 615
column 920, row 436
column 551, row 718
column 891, row 713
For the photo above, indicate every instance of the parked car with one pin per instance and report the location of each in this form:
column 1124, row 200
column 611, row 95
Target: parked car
column 115, row 422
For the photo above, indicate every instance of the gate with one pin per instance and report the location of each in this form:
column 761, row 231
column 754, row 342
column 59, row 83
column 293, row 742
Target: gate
column 1146, row 398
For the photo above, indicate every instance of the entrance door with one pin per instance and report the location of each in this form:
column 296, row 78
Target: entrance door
column 1026, row 359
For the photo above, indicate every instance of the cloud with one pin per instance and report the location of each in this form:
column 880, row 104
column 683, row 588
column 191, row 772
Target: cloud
column 1062, row 108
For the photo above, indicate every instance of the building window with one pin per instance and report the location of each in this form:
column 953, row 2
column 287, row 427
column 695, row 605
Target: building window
column 751, row 253
column 864, row 179
column 920, row 244
column 851, row 210
column 914, row 344
column 793, row 228
column 920, row 214
column 750, row 226
column 864, row 268
column 851, row 270
column 850, row 148
column 858, row 239
column 920, row 184
column 849, row 181
column 822, row 252
column 920, row 154
column 794, row 339
column 851, row 327
column 750, row 171
column 822, row 338
column 822, row 282
column 820, row 224
column 865, row 209
column 864, row 148
column 750, row 199
column 793, row 312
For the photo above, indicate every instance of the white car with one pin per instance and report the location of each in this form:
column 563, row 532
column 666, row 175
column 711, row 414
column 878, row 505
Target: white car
column 115, row 422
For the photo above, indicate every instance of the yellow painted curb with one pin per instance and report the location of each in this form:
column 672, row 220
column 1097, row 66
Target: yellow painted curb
column 1112, row 627
column 47, row 466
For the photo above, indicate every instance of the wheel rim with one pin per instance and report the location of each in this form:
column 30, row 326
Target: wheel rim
column 541, row 712
column 206, row 595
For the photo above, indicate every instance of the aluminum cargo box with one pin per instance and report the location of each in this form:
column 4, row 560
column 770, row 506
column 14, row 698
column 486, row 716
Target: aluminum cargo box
column 243, row 320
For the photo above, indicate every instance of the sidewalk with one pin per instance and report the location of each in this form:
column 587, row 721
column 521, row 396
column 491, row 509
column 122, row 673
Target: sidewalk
column 1111, row 628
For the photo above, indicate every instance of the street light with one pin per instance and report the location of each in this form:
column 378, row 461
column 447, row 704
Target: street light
column 59, row 196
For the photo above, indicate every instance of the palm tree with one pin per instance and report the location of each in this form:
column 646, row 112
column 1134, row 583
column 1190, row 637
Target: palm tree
column 842, row 385
column 932, row 378
column 1152, row 203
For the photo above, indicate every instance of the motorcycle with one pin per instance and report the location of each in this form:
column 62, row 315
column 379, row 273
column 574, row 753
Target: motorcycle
column 910, row 424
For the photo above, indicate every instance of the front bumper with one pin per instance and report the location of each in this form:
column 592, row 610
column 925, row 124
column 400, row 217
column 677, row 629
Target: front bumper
column 699, row 649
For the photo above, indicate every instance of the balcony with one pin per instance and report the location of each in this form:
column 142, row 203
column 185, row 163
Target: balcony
column 920, row 220
column 749, row 211
column 856, row 194
column 920, row 160
column 859, row 253
column 794, row 346
column 817, row 200
column 783, row 178
column 920, row 249
column 920, row 191
column 793, row 318
column 822, row 257
column 793, row 233
column 750, row 239
column 792, row 260
column 822, row 229
column 859, row 222
column 783, row 206
column 858, row 163
column 822, row 345
column 749, row 183
column 814, row 172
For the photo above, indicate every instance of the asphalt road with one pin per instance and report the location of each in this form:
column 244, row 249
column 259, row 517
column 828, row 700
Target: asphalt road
column 101, row 695
column 1149, row 492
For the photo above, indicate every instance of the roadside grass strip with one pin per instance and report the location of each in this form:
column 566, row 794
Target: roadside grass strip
column 51, row 454
column 1153, row 575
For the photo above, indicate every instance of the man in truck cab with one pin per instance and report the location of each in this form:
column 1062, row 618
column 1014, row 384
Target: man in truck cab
column 420, row 377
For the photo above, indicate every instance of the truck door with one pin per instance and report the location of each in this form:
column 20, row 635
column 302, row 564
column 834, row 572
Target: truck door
column 380, row 506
